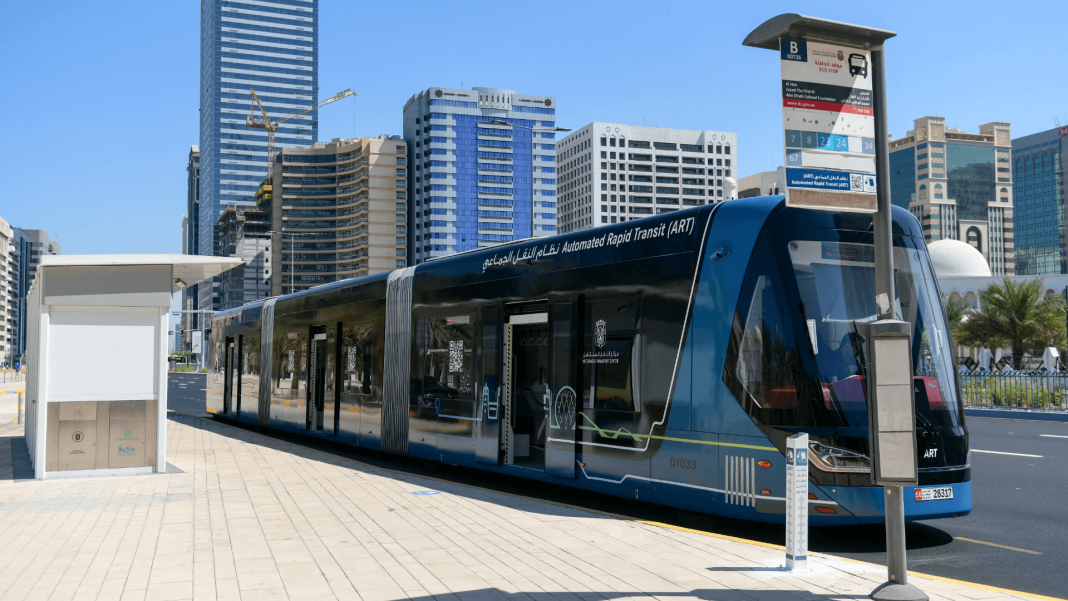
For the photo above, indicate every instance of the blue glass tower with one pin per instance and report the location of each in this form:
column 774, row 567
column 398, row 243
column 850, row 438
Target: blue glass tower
column 476, row 183
column 271, row 46
column 1038, row 176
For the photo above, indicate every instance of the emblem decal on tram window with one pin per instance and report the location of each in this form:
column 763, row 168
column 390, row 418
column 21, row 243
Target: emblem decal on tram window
column 600, row 339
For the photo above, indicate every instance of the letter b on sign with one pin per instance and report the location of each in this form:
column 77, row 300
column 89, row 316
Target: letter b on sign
column 794, row 50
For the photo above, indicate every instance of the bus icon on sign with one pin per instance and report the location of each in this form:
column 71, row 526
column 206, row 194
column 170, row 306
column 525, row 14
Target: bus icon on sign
column 858, row 65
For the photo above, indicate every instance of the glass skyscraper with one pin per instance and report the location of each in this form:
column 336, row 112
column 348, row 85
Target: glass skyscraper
column 271, row 46
column 475, row 183
column 1038, row 179
column 959, row 186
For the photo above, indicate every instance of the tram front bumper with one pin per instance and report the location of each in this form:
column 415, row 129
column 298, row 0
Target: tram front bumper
column 866, row 503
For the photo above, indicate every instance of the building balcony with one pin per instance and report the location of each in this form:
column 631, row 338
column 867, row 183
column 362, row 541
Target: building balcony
column 352, row 178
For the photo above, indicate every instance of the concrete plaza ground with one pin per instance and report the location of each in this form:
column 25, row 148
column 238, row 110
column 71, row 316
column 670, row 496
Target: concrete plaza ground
column 9, row 401
column 252, row 517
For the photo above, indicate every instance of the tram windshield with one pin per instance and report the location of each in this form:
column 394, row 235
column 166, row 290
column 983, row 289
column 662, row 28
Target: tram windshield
column 800, row 359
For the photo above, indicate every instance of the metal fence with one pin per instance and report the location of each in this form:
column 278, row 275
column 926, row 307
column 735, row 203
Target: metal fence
column 11, row 375
column 1037, row 390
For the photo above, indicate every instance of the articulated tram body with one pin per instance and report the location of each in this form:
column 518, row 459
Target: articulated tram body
column 665, row 359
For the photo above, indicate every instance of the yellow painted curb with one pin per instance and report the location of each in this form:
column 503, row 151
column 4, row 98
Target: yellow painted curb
column 652, row 523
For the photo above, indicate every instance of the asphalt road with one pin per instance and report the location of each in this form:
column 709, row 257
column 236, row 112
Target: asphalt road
column 185, row 393
column 1016, row 536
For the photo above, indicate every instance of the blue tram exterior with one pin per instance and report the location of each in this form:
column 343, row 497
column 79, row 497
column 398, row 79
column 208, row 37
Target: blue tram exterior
column 665, row 360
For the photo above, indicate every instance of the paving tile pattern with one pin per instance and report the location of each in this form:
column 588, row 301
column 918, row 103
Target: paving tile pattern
column 252, row 517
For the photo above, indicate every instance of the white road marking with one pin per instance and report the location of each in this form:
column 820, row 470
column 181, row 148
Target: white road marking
column 1053, row 436
column 1003, row 453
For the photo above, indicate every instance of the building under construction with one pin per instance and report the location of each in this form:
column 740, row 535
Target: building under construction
column 244, row 233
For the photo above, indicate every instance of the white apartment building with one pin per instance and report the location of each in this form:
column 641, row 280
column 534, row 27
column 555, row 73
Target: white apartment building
column 610, row 172
column 765, row 183
column 8, row 292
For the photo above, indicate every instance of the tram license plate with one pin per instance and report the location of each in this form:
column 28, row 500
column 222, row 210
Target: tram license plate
column 934, row 494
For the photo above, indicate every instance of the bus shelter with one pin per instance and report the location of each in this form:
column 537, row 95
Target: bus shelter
column 96, row 383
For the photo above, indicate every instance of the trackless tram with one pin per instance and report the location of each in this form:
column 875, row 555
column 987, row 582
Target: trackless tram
column 665, row 359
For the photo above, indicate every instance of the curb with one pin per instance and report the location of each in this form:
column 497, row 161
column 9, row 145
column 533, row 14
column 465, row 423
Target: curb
column 1043, row 416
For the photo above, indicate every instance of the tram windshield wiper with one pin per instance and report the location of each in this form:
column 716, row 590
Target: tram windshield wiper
column 926, row 424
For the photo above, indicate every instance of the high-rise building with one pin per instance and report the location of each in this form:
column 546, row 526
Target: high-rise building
column 610, row 172
column 191, row 246
column 30, row 246
column 483, row 169
column 765, row 183
column 8, row 294
column 338, row 211
column 271, row 46
column 245, row 234
column 959, row 186
column 1039, row 202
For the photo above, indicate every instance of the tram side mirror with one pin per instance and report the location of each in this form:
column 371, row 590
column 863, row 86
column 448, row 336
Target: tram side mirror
column 892, row 410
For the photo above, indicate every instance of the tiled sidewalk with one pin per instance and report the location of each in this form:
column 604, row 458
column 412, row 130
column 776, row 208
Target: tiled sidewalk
column 256, row 518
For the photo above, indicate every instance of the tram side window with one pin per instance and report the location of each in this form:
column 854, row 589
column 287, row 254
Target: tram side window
column 767, row 357
column 250, row 365
column 291, row 369
column 772, row 367
column 611, row 355
column 448, row 368
column 358, row 359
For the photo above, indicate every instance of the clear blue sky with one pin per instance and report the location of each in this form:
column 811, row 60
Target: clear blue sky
column 101, row 99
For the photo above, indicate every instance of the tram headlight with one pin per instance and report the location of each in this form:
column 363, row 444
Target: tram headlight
column 833, row 459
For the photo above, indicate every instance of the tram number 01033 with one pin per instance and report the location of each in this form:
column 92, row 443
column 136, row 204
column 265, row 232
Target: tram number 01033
column 686, row 464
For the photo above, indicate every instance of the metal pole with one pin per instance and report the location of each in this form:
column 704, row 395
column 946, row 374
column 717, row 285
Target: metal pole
column 884, row 241
column 21, row 408
column 897, row 586
column 896, row 566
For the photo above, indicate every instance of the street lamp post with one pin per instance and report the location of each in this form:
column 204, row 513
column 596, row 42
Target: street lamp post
column 532, row 130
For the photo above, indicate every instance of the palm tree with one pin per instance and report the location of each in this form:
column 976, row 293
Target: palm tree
column 956, row 311
column 1017, row 316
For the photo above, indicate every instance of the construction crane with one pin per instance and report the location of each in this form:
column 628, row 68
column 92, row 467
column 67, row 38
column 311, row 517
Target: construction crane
column 266, row 123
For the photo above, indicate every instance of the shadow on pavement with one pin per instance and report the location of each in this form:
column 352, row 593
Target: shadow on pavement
column 828, row 539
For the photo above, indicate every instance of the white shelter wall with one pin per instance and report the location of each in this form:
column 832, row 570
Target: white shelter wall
column 102, row 353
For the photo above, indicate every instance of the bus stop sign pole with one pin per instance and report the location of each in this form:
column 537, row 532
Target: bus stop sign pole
column 892, row 427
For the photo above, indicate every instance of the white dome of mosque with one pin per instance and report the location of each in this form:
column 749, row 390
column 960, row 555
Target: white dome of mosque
column 953, row 258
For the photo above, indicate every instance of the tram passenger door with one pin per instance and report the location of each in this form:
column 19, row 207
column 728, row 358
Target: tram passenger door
column 561, row 410
column 526, row 385
column 229, row 367
column 316, row 379
column 488, row 418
